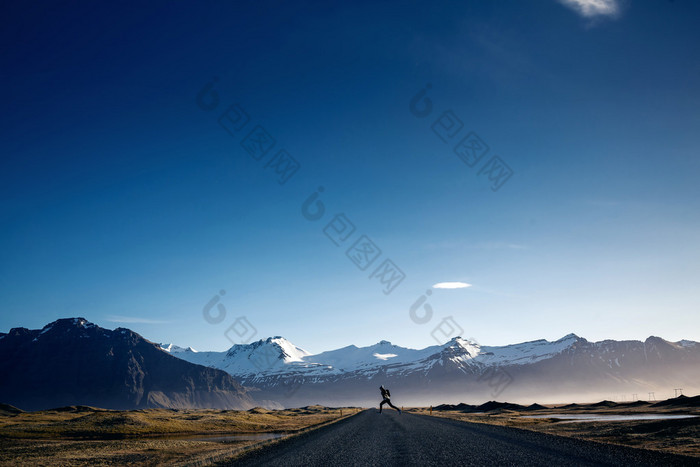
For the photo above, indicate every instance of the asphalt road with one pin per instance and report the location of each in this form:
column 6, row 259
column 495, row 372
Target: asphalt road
column 370, row 438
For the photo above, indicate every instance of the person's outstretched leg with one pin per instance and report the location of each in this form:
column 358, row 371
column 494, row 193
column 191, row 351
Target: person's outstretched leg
column 381, row 404
column 392, row 405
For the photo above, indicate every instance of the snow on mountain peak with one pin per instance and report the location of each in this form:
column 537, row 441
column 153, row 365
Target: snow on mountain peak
column 172, row 348
column 292, row 353
column 264, row 356
column 527, row 352
column 464, row 342
column 568, row 337
column 277, row 356
column 384, row 356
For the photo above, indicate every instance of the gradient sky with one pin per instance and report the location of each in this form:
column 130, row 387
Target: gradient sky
column 124, row 202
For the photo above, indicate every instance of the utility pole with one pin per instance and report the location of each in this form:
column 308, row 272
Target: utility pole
column 634, row 397
column 651, row 396
column 678, row 390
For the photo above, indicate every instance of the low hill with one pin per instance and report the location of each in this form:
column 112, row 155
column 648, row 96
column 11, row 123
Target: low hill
column 680, row 401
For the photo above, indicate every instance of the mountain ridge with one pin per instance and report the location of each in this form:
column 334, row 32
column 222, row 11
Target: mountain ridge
column 74, row 362
column 460, row 367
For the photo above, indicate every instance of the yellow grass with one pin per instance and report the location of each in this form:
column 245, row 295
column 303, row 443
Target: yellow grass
column 90, row 436
column 680, row 436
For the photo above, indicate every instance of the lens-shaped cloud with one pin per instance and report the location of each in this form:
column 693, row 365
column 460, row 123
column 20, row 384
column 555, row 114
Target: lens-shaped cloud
column 451, row 285
column 592, row 8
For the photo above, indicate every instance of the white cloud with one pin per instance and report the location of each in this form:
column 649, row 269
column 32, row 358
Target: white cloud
column 593, row 8
column 133, row 320
column 451, row 285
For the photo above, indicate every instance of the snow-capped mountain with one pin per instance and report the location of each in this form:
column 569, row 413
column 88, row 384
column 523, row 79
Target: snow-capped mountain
column 72, row 361
column 459, row 371
column 276, row 355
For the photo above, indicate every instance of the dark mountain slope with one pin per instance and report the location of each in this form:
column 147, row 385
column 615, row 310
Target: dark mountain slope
column 74, row 362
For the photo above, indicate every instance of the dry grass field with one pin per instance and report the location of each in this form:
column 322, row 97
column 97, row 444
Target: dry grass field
column 679, row 436
column 92, row 436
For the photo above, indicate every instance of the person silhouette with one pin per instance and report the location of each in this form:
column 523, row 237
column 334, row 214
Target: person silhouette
column 386, row 399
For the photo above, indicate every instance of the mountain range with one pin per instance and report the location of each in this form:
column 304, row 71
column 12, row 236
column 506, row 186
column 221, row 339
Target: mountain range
column 460, row 370
column 74, row 362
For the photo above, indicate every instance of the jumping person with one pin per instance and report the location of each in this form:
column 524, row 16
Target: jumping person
column 386, row 399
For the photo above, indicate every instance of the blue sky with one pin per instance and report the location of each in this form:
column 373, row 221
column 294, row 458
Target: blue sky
column 125, row 202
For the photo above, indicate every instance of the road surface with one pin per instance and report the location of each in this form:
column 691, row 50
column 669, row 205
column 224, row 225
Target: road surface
column 371, row 438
